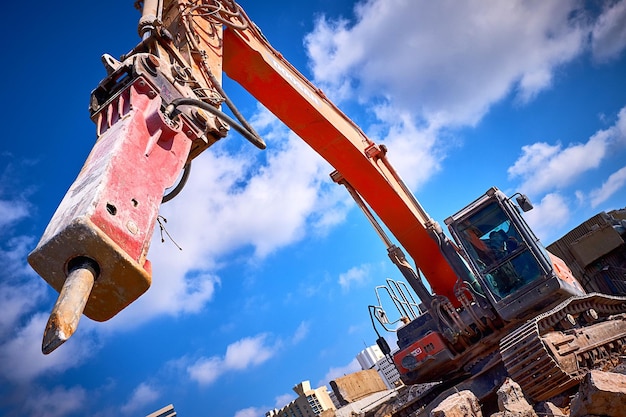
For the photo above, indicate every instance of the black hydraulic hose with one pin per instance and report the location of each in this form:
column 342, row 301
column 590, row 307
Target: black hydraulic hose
column 246, row 133
column 232, row 106
column 181, row 184
column 372, row 310
column 225, row 16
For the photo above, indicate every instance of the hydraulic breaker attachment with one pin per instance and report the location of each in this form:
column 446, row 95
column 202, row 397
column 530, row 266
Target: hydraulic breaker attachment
column 99, row 236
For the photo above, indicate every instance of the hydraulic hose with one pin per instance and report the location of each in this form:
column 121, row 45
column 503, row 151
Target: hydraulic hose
column 246, row 133
column 181, row 184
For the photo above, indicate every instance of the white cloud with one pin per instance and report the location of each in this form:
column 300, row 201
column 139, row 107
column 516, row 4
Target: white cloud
column 283, row 400
column 608, row 37
column 551, row 213
column 13, row 252
column 613, row 184
column 543, row 167
column 250, row 412
column 301, row 333
column 243, row 202
column 279, row 402
column 355, row 328
column 143, row 395
column 449, row 64
column 413, row 149
column 17, row 301
column 173, row 291
column 248, row 352
column 206, row 370
column 12, row 212
column 22, row 324
column 57, row 402
column 14, row 204
column 336, row 372
column 498, row 47
column 355, row 276
column 24, row 348
column 21, row 290
column 240, row 355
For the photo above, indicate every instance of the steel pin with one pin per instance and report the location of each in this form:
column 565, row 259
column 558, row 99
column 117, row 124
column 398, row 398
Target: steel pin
column 69, row 306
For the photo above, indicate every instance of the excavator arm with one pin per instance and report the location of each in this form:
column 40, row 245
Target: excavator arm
column 157, row 109
column 361, row 163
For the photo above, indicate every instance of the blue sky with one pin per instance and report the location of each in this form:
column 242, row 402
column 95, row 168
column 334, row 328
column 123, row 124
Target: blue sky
column 277, row 266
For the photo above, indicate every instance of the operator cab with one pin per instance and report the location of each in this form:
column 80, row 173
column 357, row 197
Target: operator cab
column 506, row 256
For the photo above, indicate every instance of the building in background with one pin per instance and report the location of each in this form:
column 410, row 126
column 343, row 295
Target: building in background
column 167, row 411
column 368, row 357
column 373, row 358
column 362, row 393
column 310, row 402
column 334, row 399
column 596, row 253
column 357, row 385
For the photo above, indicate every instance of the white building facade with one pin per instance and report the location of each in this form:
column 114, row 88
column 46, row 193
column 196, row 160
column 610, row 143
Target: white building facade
column 373, row 358
column 310, row 402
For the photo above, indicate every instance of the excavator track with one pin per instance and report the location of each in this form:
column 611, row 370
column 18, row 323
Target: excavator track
column 552, row 352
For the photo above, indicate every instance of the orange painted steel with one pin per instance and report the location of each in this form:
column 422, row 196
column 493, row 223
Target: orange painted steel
column 304, row 109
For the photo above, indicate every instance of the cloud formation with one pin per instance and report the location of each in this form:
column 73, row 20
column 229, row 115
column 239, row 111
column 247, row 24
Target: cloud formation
column 143, row 395
column 57, row 402
column 24, row 347
column 339, row 371
column 436, row 66
column 543, row 167
column 608, row 35
column 355, row 276
column 548, row 215
column 240, row 355
column 12, row 212
column 451, row 63
column 612, row 185
column 250, row 412
column 301, row 333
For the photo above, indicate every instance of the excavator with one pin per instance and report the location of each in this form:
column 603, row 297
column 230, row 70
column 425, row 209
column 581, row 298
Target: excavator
column 493, row 302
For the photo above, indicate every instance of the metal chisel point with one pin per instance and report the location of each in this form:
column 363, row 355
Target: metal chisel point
column 69, row 307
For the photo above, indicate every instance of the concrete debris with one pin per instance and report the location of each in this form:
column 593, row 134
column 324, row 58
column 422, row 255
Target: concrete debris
column 600, row 393
column 549, row 409
column 511, row 400
column 386, row 410
column 461, row 404
column 357, row 385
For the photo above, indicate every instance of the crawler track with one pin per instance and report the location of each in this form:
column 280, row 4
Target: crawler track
column 547, row 355
column 546, row 358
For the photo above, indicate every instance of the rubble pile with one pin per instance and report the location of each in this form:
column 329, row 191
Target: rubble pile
column 461, row 404
column 599, row 394
column 602, row 394
column 511, row 401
